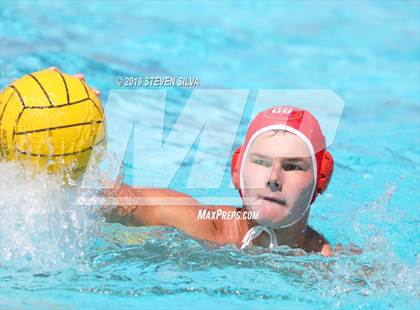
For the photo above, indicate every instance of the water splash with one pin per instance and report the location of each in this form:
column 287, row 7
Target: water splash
column 41, row 228
column 377, row 273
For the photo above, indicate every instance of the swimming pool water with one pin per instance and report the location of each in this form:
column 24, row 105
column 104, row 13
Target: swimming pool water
column 54, row 255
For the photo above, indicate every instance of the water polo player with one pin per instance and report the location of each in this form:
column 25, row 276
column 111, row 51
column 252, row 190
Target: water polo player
column 279, row 170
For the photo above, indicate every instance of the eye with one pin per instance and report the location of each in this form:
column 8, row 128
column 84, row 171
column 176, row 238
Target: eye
column 291, row 167
column 262, row 162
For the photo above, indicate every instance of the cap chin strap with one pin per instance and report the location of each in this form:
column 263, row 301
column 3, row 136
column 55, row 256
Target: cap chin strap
column 255, row 231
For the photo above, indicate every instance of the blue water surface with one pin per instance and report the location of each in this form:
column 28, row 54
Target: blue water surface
column 365, row 51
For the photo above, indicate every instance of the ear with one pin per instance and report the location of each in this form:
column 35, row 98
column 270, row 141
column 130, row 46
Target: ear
column 234, row 168
column 327, row 168
column 235, row 178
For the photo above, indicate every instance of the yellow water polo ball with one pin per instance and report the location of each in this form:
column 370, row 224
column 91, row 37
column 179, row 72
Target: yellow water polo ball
column 51, row 118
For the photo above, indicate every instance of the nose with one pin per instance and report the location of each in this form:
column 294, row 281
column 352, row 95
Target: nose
column 275, row 182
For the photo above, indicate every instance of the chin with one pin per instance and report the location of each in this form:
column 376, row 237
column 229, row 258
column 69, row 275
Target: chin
column 269, row 215
column 270, row 221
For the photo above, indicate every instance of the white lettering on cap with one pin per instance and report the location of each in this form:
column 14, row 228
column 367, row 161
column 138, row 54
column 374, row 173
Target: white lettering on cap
column 282, row 110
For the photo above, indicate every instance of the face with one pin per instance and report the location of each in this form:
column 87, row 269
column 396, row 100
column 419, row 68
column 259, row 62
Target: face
column 278, row 178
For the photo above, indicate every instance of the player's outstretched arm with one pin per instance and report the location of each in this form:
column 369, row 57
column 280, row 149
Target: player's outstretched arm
column 158, row 207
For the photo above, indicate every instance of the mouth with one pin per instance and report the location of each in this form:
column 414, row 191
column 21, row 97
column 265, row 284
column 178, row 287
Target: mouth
column 278, row 201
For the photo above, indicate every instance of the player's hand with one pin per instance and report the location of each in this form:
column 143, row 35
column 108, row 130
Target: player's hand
column 80, row 77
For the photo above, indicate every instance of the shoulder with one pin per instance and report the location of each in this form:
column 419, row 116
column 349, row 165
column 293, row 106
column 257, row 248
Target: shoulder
column 316, row 242
column 227, row 224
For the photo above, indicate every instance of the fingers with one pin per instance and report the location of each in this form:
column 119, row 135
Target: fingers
column 82, row 78
column 97, row 92
column 78, row 76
